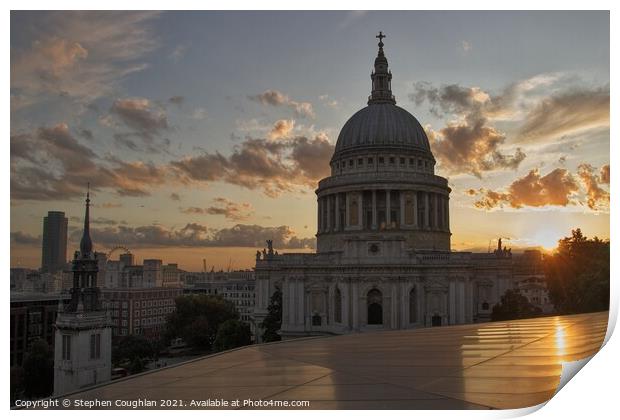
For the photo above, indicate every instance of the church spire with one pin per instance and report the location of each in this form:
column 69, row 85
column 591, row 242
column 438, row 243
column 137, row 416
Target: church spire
column 86, row 244
column 381, row 78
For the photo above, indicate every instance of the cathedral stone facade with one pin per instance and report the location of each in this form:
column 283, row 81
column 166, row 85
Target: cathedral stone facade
column 383, row 257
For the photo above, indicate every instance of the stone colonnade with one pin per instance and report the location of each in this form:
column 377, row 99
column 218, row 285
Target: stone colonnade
column 383, row 209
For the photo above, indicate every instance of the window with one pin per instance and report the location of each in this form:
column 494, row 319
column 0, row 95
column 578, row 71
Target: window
column 360, row 161
column 402, row 160
column 411, row 161
column 370, row 160
column 95, row 346
column 381, row 160
column 392, row 160
column 374, row 303
column 66, row 347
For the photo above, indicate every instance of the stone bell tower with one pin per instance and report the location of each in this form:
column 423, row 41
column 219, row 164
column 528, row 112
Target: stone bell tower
column 82, row 351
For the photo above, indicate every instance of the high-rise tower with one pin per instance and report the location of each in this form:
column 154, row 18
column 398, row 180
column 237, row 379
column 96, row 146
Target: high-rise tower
column 82, row 354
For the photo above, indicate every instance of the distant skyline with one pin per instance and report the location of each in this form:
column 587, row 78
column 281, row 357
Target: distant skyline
column 205, row 133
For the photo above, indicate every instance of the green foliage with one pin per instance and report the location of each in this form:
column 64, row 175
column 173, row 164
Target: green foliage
column 514, row 305
column 273, row 321
column 38, row 370
column 132, row 347
column 137, row 365
column 232, row 333
column 578, row 275
column 197, row 319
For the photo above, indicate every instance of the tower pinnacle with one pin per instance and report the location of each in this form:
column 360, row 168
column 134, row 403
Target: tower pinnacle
column 381, row 78
column 86, row 244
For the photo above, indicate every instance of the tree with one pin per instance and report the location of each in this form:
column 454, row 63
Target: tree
column 273, row 321
column 232, row 333
column 38, row 370
column 137, row 365
column 577, row 274
column 132, row 347
column 514, row 305
column 197, row 319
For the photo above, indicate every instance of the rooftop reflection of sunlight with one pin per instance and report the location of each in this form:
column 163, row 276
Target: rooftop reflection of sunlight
column 560, row 341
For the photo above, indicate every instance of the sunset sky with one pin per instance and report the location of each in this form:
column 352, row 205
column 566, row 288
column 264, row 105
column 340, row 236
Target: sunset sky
column 204, row 133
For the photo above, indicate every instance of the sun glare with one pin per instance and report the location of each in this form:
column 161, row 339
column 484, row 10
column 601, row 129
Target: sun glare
column 546, row 238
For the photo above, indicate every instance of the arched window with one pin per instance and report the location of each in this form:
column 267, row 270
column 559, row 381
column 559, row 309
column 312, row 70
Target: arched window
column 375, row 307
column 413, row 306
column 337, row 305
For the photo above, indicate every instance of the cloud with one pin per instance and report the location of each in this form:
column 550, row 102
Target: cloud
column 224, row 207
column 274, row 167
column 21, row 238
column 557, row 188
column 303, row 109
column 467, row 144
column 197, row 235
column 281, row 129
column 350, row 18
column 81, row 55
column 178, row 53
column 472, row 147
column 328, row 101
column 597, row 197
column 605, row 174
column 270, row 97
column 51, row 164
column 541, row 108
column 276, row 98
column 566, row 113
column 199, row 113
column 140, row 115
column 177, row 100
column 109, row 205
column 175, row 197
column 98, row 221
column 86, row 134
column 312, row 156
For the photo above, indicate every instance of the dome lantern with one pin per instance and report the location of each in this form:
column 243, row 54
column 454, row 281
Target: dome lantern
column 381, row 78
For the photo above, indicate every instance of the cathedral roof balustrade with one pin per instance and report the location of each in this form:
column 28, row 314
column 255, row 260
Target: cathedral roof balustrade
column 413, row 257
column 383, row 177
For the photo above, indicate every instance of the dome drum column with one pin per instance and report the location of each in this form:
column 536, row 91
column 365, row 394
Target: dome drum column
column 388, row 208
column 328, row 213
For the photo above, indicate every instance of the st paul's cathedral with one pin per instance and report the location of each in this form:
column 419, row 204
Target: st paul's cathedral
column 383, row 259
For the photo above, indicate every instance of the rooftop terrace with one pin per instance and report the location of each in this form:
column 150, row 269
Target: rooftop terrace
column 512, row 364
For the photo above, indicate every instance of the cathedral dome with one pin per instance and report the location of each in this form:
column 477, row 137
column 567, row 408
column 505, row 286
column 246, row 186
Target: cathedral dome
column 382, row 125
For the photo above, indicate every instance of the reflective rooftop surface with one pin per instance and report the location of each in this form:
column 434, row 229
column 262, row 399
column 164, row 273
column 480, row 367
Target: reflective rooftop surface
column 511, row 364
